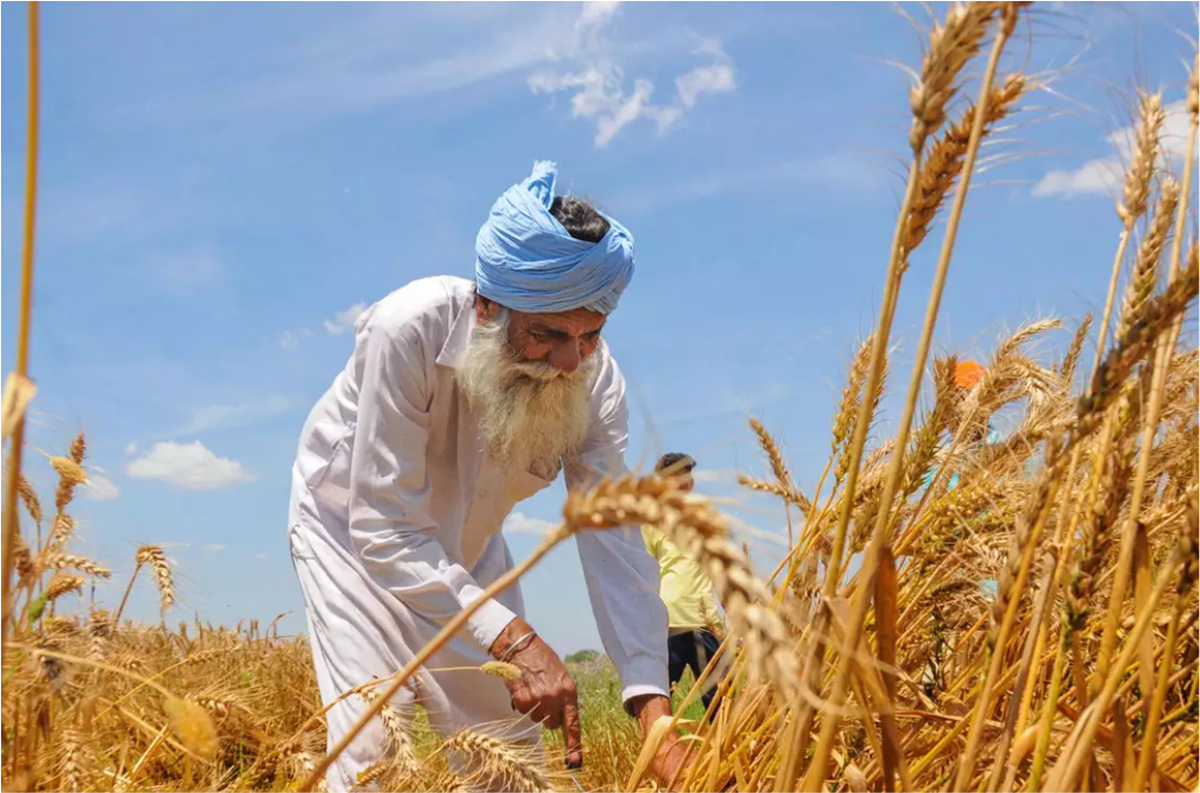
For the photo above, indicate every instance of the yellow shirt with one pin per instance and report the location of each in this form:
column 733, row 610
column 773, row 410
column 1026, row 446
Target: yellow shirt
column 684, row 588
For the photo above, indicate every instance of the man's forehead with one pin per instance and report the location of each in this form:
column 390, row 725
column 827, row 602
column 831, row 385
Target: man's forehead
column 576, row 322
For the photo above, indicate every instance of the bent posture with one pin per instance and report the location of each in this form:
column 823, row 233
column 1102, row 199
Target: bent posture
column 460, row 400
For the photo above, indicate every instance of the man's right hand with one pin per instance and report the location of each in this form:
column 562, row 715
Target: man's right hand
column 544, row 691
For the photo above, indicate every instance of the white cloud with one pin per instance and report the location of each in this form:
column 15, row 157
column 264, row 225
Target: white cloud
column 383, row 54
column 1101, row 176
column 344, row 320
column 210, row 417
column 132, row 448
column 262, row 557
column 290, row 339
column 598, row 84
column 191, row 466
column 717, row 78
column 596, row 13
column 840, row 175
column 188, row 270
column 1106, row 175
column 99, row 487
column 520, row 523
column 214, row 547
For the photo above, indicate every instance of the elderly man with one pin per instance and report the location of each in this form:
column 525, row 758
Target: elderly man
column 460, row 400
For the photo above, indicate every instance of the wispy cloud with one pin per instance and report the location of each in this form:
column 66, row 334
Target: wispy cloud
column 228, row 416
column 597, row 82
column 262, row 557
column 214, row 547
column 79, row 212
column 99, row 487
column 187, row 270
column 368, row 62
column 290, row 339
column 192, row 466
column 840, row 174
column 343, row 321
column 385, row 55
column 520, row 523
column 1106, row 175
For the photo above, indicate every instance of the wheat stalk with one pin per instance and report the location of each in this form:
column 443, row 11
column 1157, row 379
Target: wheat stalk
column 1136, row 193
column 700, row 531
column 153, row 556
column 817, row 770
column 400, row 743
column 500, row 761
column 61, row 585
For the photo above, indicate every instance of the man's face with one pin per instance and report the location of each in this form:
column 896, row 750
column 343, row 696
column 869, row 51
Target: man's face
column 529, row 379
column 562, row 341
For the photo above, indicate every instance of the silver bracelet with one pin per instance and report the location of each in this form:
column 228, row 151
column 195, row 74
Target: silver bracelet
column 512, row 648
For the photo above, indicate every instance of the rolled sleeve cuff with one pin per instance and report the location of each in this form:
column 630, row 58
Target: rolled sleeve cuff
column 643, row 677
column 486, row 624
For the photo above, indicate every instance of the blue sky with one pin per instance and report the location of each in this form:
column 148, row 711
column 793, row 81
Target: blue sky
column 224, row 186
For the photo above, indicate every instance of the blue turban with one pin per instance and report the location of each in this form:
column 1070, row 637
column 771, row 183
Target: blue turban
column 525, row 259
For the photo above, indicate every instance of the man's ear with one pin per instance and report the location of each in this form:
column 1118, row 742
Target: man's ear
column 486, row 310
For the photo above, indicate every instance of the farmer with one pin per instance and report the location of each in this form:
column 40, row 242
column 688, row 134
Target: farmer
column 461, row 399
column 687, row 592
column 967, row 375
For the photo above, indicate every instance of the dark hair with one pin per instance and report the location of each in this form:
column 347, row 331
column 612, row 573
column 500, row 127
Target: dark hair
column 676, row 462
column 581, row 220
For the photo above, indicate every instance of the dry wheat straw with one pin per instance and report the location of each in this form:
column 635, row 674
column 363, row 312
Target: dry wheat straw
column 1136, row 193
column 62, row 584
column 153, row 556
column 500, row 761
column 701, row 532
column 400, row 744
column 990, row 658
column 501, row 669
column 815, row 777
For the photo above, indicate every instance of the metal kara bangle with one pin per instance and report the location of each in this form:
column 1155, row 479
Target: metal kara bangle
column 512, row 648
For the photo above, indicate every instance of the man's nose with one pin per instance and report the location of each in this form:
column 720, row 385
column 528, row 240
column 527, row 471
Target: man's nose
column 566, row 356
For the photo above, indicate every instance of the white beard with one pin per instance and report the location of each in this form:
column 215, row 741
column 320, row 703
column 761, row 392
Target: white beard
column 531, row 414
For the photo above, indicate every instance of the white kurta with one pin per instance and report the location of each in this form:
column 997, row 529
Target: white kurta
column 395, row 526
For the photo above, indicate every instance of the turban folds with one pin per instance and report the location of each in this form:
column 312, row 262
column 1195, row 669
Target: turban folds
column 525, row 259
column 967, row 374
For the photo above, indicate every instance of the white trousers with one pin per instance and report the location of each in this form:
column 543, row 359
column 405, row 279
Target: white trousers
column 360, row 631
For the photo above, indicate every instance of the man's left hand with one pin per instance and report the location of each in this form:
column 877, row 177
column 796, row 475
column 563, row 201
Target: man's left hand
column 669, row 761
column 545, row 691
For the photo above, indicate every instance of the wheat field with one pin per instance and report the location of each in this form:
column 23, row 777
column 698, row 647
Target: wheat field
column 1030, row 625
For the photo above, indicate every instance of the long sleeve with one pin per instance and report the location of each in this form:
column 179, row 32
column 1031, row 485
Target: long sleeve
column 390, row 527
column 622, row 577
column 653, row 539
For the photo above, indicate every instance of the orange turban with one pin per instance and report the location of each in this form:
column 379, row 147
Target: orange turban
column 967, row 374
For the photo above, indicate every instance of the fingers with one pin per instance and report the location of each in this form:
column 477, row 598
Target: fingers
column 572, row 731
column 550, row 717
column 540, row 709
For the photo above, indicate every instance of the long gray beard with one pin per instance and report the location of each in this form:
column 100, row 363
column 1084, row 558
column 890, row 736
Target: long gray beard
column 531, row 414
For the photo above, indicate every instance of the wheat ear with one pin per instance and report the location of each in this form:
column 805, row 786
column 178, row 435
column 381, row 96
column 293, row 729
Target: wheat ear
column 815, row 777
column 153, row 556
column 500, row 760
